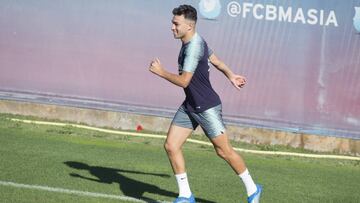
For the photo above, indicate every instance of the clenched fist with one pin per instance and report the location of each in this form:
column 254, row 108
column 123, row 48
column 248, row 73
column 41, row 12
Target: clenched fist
column 156, row 67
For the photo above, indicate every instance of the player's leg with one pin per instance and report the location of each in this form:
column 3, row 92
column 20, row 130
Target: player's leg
column 212, row 123
column 225, row 151
column 175, row 139
column 181, row 128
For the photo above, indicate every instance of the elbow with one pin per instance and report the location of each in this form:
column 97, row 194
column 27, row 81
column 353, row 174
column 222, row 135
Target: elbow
column 185, row 84
column 184, row 80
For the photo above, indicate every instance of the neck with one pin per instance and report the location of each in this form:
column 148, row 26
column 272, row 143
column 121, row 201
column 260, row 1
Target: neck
column 188, row 37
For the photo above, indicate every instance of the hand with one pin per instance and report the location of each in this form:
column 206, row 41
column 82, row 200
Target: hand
column 156, row 67
column 238, row 81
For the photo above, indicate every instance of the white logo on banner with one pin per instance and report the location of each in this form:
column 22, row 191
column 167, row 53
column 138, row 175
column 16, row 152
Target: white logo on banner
column 210, row 9
column 292, row 15
column 357, row 19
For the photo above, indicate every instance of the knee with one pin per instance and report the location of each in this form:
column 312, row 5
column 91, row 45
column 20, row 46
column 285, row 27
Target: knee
column 220, row 153
column 170, row 148
column 224, row 153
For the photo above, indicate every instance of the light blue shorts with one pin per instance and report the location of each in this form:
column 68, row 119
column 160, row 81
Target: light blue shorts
column 210, row 120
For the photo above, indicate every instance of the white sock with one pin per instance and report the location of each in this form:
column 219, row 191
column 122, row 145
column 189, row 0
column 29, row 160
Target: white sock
column 183, row 184
column 248, row 182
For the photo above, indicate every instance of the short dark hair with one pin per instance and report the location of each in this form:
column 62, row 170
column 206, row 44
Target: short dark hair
column 188, row 11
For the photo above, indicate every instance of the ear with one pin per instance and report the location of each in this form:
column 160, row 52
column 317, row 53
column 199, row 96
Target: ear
column 191, row 25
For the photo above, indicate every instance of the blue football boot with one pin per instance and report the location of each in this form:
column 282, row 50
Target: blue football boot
column 255, row 198
column 191, row 199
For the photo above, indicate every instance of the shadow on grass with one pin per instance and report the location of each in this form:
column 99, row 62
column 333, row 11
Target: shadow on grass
column 129, row 187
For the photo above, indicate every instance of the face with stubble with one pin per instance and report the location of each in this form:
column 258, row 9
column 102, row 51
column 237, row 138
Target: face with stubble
column 181, row 27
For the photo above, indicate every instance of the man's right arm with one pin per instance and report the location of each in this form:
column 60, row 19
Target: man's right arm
column 182, row 80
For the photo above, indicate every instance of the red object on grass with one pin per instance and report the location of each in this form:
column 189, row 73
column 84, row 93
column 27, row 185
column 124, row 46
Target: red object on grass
column 139, row 128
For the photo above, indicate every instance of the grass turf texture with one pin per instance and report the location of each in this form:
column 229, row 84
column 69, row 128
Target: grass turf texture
column 138, row 167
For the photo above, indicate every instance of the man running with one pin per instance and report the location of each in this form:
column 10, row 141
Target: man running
column 202, row 105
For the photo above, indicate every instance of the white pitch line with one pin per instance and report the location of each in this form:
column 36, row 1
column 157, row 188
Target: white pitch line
column 75, row 192
column 319, row 156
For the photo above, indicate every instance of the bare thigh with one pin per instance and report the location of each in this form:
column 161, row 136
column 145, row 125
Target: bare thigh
column 177, row 136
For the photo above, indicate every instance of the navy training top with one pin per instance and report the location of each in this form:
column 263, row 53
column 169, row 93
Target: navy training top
column 194, row 58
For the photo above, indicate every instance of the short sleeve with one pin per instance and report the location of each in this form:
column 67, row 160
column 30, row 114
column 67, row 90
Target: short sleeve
column 193, row 55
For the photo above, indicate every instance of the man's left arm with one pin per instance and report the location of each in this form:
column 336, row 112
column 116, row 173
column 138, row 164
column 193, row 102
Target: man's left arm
column 237, row 80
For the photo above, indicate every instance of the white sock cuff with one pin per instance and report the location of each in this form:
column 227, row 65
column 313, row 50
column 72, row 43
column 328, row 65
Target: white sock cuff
column 181, row 175
column 245, row 173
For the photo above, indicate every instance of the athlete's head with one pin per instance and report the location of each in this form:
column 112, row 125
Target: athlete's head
column 184, row 21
